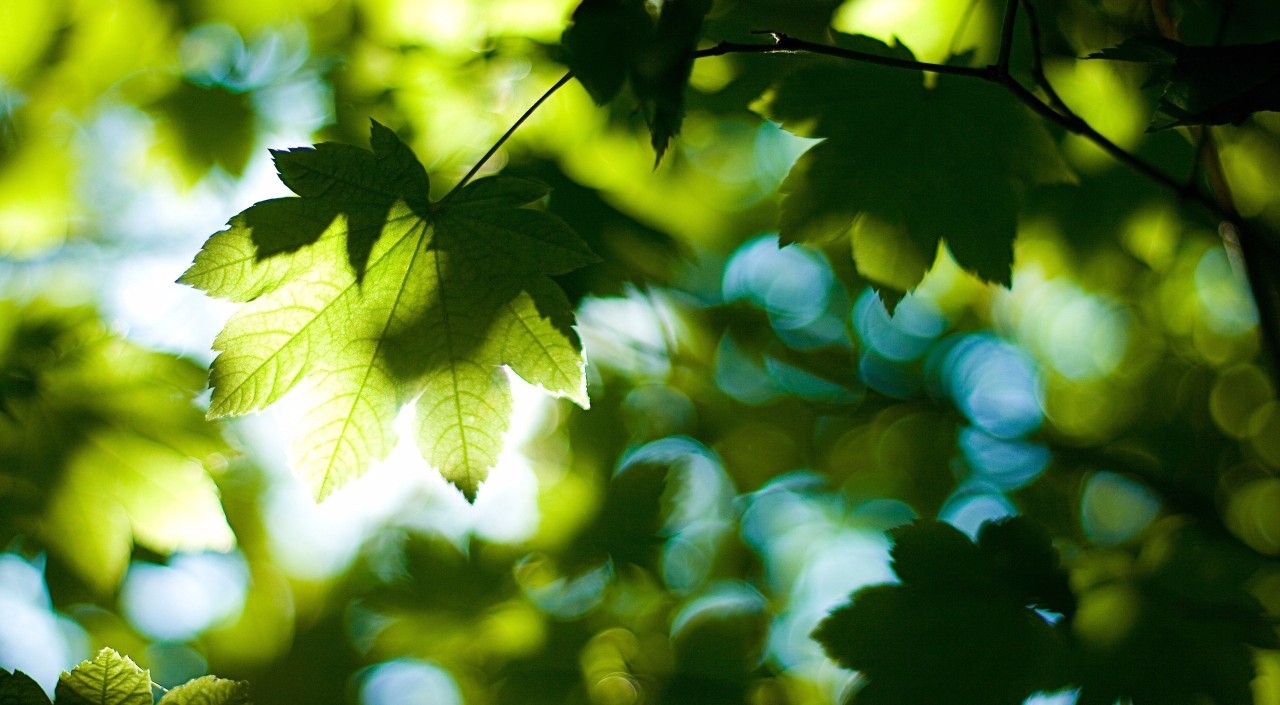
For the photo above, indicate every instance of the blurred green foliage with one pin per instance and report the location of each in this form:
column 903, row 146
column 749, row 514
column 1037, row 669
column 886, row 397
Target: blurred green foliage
column 764, row 439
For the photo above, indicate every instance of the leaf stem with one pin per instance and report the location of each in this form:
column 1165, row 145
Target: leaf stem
column 507, row 135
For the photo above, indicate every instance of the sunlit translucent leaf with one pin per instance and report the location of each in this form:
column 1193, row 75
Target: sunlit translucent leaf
column 208, row 690
column 107, row 679
column 904, row 165
column 17, row 688
column 1205, row 85
column 102, row 445
column 962, row 632
column 368, row 297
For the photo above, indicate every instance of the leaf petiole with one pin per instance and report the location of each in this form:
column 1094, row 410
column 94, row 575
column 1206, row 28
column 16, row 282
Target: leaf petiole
column 507, row 135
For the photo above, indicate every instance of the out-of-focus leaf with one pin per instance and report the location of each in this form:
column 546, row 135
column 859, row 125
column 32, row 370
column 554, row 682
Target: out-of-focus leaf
column 374, row 297
column 103, row 445
column 208, row 690
column 107, row 679
column 954, row 630
column 721, row 634
column 628, row 527
column 17, row 688
column 903, row 166
column 718, row 640
column 208, row 126
column 1205, row 85
column 1178, row 628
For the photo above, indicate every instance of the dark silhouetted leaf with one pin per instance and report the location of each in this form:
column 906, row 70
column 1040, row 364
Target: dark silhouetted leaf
column 17, row 688
column 953, row 631
column 602, row 43
column 663, row 69
column 904, row 166
column 211, row 125
column 1205, row 85
column 611, row 41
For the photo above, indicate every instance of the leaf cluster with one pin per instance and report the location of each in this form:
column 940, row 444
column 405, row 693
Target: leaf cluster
column 101, row 444
column 1205, row 85
column 111, row 679
column 610, row 43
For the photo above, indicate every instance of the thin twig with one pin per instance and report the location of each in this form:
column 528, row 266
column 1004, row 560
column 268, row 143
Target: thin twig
column 1037, row 60
column 507, row 135
column 786, row 44
column 1006, row 36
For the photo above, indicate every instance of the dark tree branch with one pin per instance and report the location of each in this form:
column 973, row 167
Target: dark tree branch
column 1253, row 244
column 786, row 44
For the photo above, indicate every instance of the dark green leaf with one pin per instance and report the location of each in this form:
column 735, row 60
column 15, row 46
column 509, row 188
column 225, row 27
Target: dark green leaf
column 1206, row 85
column 611, row 41
column 602, row 43
column 17, row 688
column 663, row 69
column 1022, row 556
column 212, row 126
column 904, row 166
column 951, row 632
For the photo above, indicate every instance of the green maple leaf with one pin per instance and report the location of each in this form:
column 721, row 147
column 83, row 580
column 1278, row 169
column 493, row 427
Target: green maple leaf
column 904, row 165
column 107, row 679
column 208, row 690
column 365, row 296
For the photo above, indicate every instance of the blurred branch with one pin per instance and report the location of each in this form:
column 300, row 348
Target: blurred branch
column 1006, row 36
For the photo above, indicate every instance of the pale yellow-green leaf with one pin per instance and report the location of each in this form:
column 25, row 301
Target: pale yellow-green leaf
column 107, row 679
column 208, row 690
column 119, row 488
